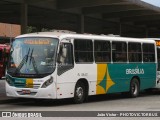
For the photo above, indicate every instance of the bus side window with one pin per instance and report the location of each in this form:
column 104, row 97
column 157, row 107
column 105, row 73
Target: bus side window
column 134, row 52
column 83, row 50
column 102, row 51
column 119, row 51
column 65, row 58
column 148, row 52
column 65, row 54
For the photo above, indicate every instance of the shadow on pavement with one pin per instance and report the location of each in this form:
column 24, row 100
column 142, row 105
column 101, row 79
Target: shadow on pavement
column 62, row 102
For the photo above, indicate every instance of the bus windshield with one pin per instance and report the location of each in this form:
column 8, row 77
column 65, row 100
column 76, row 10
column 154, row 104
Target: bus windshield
column 32, row 56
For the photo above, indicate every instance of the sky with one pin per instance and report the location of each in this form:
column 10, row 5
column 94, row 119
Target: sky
column 154, row 2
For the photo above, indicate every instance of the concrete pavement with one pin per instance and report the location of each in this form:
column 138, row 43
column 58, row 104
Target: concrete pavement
column 3, row 97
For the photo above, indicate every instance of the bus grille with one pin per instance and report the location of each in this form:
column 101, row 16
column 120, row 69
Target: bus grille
column 31, row 93
column 22, row 85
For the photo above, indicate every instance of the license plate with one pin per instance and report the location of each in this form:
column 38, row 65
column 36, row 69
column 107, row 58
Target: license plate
column 26, row 91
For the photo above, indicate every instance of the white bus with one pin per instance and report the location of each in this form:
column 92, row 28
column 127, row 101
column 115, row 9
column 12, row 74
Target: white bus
column 56, row 65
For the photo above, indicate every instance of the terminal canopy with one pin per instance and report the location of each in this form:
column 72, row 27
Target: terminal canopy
column 131, row 18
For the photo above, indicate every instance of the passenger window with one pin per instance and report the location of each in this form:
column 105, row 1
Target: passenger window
column 83, row 51
column 102, row 51
column 119, row 51
column 148, row 52
column 134, row 52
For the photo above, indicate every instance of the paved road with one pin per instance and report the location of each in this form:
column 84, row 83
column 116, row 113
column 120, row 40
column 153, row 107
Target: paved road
column 111, row 102
column 2, row 89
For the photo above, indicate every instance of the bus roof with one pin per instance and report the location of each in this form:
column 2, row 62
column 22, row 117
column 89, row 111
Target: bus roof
column 61, row 35
column 153, row 38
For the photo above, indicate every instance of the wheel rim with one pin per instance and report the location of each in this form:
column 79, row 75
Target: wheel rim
column 79, row 93
column 134, row 88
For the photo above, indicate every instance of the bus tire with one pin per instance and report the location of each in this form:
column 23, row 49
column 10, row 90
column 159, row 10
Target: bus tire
column 134, row 88
column 79, row 93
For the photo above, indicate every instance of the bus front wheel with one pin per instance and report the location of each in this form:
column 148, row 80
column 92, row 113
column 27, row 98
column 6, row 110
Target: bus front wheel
column 134, row 88
column 79, row 93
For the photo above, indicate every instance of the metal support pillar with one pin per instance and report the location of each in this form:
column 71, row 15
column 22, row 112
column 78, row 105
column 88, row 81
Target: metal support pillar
column 147, row 32
column 120, row 29
column 81, row 24
column 24, row 17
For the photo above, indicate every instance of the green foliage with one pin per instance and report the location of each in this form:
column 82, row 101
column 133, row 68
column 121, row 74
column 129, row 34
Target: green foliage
column 31, row 29
column 44, row 30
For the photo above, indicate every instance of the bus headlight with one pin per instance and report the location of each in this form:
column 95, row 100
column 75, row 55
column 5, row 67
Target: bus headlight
column 47, row 83
column 9, row 81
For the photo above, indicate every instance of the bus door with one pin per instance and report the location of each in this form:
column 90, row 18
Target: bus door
column 65, row 70
column 158, row 64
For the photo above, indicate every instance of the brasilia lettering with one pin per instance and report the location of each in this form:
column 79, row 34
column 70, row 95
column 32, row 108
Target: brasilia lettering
column 135, row 71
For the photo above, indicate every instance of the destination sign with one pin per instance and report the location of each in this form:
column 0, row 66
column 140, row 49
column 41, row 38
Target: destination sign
column 37, row 42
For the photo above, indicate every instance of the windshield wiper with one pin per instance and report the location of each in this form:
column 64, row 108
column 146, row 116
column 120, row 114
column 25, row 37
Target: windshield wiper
column 24, row 60
column 27, row 55
column 33, row 62
column 30, row 57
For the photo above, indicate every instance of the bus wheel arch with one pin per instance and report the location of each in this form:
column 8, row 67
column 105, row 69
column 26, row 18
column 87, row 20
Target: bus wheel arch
column 81, row 91
column 134, row 87
column 139, row 80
